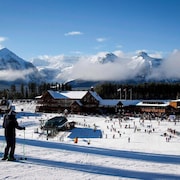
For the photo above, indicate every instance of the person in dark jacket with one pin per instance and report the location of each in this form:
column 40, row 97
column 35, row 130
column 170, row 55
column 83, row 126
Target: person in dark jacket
column 10, row 125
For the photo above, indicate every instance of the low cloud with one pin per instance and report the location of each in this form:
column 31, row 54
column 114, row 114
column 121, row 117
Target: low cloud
column 73, row 33
column 12, row 75
column 171, row 65
column 124, row 67
column 55, row 62
column 87, row 70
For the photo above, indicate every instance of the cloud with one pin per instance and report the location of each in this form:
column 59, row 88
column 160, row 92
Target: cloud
column 101, row 39
column 126, row 66
column 12, row 75
column 56, row 62
column 96, row 71
column 87, row 68
column 171, row 65
column 73, row 33
column 2, row 39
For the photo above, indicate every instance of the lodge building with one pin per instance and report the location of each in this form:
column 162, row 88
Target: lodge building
column 90, row 102
column 75, row 102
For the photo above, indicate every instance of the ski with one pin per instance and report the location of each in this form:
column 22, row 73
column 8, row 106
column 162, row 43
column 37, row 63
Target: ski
column 19, row 159
column 22, row 158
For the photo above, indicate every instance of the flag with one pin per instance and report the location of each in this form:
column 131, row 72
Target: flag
column 119, row 89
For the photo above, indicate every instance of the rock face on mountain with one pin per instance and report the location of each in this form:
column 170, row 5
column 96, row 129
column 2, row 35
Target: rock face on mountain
column 104, row 58
column 15, row 69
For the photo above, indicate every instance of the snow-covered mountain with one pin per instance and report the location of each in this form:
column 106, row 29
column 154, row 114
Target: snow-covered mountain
column 97, row 68
column 15, row 69
column 144, row 65
column 103, row 58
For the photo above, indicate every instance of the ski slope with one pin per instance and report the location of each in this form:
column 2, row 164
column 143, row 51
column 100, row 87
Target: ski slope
column 102, row 152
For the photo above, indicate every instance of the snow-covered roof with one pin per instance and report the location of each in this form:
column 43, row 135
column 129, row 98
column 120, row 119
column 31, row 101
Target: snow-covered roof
column 109, row 102
column 176, row 100
column 38, row 97
column 78, row 102
column 152, row 103
column 78, row 95
column 95, row 95
column 74, row 94
column 56, row 94
column 130, row 102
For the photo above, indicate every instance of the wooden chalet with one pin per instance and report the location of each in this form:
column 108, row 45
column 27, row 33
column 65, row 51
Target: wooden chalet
column 91, row 102
column 75, row 102
column 155, row 106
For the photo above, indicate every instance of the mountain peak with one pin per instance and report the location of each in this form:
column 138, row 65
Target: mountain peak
column 5, row 51
column 142, row 54
column 104, row 58
column 23, row 71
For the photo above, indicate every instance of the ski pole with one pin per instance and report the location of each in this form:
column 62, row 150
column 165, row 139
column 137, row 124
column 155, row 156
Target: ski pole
column 24, row 148
column 2, row 147
column 24, row 145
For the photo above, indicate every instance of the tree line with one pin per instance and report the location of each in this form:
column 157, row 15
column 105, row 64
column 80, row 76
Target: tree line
column 106, row 90
column 30, row 90
column 139, row 91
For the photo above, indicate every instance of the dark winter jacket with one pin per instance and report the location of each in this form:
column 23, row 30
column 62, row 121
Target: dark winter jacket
column 10, row 124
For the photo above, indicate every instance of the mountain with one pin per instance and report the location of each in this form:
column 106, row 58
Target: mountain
column 15, row 69
column 137, row 69
column 104, row 58
column 144, row 65
column 83, row 70
column 87, row 71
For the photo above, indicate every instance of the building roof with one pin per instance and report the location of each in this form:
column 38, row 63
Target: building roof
column 78, row 102
column 109, row 102
column 56, row 94
column 154, row 103
column 96, row 96
column 74, row 94
column 130, row 102
column 176, row 100
column 78, row 95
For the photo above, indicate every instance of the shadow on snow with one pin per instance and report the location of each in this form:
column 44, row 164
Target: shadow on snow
column 101, row 170
column 139, row 156
column 85, row 133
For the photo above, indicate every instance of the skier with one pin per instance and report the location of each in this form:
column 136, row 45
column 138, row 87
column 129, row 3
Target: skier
column 10, row 124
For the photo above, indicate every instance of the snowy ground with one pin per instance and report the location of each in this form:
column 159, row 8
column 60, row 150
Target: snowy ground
column 108, row 156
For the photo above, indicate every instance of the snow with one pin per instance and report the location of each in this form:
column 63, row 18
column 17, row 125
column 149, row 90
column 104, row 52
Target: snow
column 108, row 156
column 74, row 94
column 9, row 55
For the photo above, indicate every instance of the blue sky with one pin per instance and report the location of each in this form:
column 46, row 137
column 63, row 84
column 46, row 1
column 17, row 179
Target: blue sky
column 74, row 27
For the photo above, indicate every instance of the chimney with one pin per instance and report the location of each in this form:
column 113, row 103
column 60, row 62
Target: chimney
column 92, row 88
